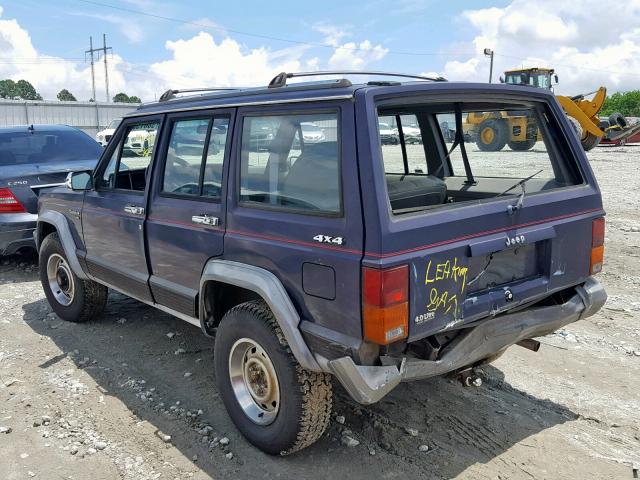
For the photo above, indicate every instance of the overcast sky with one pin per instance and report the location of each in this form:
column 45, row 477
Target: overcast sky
column 159, row 44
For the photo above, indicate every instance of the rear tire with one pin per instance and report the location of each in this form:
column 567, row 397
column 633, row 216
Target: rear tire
column 284, row 408
column 70, row 297
column 492, row 135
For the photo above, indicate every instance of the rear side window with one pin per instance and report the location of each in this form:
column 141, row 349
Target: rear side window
column 47, row 146
column 291, row 162
column 446, row 154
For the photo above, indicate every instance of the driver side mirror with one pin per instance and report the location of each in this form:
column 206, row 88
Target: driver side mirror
column 501, row 79
column 555, row 77
column 79, row 181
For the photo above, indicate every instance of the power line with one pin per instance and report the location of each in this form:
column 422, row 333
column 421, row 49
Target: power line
column 262, row 36
column 325, row 45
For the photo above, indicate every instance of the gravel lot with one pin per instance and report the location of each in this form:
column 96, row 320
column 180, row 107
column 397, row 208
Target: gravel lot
column 133, row 396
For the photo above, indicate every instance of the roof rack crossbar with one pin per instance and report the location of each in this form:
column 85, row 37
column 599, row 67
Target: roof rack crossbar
column 280, row 80
column 169, row 94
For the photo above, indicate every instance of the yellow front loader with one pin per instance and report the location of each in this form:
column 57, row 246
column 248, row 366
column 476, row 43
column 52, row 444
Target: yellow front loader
column 495, row 130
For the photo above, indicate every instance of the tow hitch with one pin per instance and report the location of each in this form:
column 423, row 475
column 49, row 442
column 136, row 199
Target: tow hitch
column 469, row 378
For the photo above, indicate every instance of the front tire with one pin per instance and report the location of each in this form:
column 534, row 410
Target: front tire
column 492, row 135
column 590, row 141
column 70, row 297
column 275, row 403
column 522, row 146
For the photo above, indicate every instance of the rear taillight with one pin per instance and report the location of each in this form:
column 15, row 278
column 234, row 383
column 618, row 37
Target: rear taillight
column 385, row 304
column 9, row 203
column 597, row 246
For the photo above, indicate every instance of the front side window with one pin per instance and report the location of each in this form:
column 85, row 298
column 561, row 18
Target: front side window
column 184, row 156
column 291, row 162
column 195, row 157
column 212, row 178
column 127, row 167
column 470, row 152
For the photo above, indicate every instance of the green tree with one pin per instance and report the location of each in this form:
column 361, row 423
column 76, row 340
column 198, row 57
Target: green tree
column 124, row 98
column 26, row 91
column 121, row 98
column 627, row 103
column 8, row 88
column 65, row 95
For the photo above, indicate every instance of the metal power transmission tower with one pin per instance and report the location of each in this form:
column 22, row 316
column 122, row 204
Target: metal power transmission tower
column 98, row 51
column 106, row 70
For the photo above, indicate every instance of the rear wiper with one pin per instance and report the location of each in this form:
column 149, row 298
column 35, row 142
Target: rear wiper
column 513, row 208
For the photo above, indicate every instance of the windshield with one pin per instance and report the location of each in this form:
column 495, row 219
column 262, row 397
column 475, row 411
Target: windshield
column 471, row 152
column 47, row 146
column 540, row 80
column 113, row 124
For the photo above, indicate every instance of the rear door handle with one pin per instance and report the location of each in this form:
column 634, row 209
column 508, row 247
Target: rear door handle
column 134, row 210
column 206, row 220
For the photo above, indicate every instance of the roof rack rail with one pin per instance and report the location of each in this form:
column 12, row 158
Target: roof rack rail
column 169, row 94
column 280, row 80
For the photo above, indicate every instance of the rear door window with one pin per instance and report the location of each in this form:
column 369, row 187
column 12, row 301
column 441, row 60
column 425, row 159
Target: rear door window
column 470, row 152
column 291, row 162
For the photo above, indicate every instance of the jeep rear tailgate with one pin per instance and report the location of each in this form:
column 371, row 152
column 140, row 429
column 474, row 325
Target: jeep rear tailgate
column 478, row 239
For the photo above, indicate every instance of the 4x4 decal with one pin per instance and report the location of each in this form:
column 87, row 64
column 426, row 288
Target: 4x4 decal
column 329, row 239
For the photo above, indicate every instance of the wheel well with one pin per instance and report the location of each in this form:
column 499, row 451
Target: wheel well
column 219, row 297
column 45, row 229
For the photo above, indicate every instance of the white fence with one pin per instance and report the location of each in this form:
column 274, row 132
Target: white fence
column 87, row 116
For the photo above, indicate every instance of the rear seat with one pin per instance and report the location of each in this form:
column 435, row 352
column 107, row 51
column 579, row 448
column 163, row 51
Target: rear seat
column 314, row 177
column 409, row 191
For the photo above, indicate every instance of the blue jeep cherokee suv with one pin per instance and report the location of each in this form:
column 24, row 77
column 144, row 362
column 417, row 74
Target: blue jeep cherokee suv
column 337, row 254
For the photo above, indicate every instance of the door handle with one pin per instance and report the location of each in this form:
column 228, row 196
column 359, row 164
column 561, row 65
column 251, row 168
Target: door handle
column 206, row 220
column 134, row 210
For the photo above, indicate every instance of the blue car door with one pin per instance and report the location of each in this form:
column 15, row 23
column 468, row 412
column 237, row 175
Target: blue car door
column 114, row 212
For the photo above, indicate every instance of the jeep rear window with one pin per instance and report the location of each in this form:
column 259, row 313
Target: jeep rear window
column 291, row 162
column 441, row 154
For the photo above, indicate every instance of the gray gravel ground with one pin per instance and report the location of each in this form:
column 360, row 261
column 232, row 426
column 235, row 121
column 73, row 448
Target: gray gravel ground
column 112, row 398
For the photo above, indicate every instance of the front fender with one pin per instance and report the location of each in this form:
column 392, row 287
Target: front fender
column 61, row 224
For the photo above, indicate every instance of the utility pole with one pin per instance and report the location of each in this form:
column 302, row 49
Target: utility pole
column 93, row 74
column 106, row 70
column 101, row 50
column 489, row 53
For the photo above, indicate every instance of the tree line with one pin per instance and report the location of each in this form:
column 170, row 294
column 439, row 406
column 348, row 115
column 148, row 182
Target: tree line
column 24, row 90
column 627, row 103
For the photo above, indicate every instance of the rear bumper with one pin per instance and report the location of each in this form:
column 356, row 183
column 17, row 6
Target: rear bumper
column 16, row 232
column 368, row 384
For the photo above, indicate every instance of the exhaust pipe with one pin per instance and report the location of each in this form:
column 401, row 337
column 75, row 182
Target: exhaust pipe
column 530, row 344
